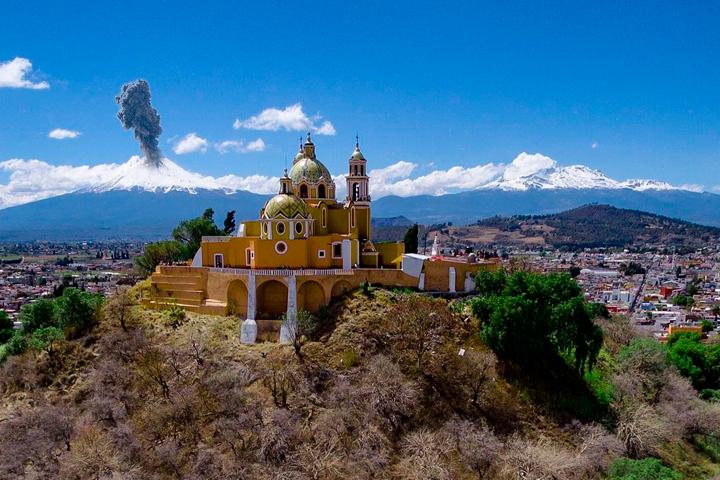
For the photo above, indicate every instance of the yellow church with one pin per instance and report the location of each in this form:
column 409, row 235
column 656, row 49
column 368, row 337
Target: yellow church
column 305, row 249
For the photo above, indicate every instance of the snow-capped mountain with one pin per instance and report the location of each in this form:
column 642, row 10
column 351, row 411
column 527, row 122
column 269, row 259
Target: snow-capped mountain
column 555, row 177
column 169, row 176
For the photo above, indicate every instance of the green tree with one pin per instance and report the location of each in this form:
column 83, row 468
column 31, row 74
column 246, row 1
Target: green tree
column 156, row 254
column 46, row 339
column 695, row 360
column 78, row 311
column 6, row 327
column 229, row 223
column 683, row 300
column 646, row 469
column 189, row 233
column 38, row 314
column 530, row 318
column 707, row 326
column 411, row 239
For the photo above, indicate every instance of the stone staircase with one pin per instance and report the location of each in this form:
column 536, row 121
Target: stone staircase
column 181, row 286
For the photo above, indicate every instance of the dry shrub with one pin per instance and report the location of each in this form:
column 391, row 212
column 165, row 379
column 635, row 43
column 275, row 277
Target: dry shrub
column 279, row 436
column 92, row 454
column 281, row 376
column 389, row 396
column 18, row 374
column 34, row 438
column 618, row 332
column 418, row 325
column 643, row 430
column 423, row 455
column 539, row 459
column 476, row 446
column 598, row 448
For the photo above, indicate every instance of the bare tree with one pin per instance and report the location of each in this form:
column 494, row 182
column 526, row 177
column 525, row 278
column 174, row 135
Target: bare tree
column 119, row 307
column 423, row 456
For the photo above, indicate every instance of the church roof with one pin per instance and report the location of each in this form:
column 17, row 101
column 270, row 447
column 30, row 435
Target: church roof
column 310, row 170
column 285, row 206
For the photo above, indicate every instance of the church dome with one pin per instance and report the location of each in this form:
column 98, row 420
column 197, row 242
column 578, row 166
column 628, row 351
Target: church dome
column 311, row 170
column 285, row 206
column 298, row 157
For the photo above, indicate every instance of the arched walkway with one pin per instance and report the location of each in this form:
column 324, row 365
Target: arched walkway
column 341, row 288
column 237, row 298
column 272, row 297
column 311, row 296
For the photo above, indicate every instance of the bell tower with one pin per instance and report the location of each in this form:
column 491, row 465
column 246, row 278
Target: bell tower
column 358, row 183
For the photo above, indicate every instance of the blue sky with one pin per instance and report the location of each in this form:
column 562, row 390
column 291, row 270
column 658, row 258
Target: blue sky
column 437, row 84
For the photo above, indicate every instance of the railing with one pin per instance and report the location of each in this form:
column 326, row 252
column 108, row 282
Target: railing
column 263, row 272
column 215, row 238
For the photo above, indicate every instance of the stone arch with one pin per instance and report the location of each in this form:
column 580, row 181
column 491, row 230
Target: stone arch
column 341, row 288
column 237, row 298
column 272, row 296
column 311, row 296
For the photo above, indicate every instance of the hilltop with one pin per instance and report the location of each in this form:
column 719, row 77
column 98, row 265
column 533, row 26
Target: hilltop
column 588, row 226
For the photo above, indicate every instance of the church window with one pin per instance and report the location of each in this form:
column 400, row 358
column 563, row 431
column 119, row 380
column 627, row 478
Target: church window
column 352, row 218
column 321, row 191
column 298, row 227
column 356, row 191
column 321, row 253
column 337, row 250
column 324, row 217
column 280, row 228
column 281, row 248
column 303, row 191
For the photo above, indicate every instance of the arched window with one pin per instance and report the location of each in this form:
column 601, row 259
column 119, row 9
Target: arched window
column 356, row 191
column 303, row 191
column 298, row 228
column 324, row 217
column 280, row 227
column 352, row 217
column 321, row 191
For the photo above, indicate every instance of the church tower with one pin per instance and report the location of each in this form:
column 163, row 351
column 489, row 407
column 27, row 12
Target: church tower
column 358, row 188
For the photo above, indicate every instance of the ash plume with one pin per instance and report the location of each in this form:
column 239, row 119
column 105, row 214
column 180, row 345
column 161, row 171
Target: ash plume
column 136, row 112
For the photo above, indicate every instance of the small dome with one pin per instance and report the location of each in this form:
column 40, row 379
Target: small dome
column 310, row 170
column 285, row 206
column 357, row 154
column 299, row 156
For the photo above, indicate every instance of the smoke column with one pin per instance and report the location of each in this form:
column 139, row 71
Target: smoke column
column 136, row 112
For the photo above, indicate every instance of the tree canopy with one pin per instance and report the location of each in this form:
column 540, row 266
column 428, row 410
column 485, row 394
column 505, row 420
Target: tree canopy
column 528, row 318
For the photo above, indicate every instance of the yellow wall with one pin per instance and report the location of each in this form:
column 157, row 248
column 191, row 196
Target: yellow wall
column 389, row 252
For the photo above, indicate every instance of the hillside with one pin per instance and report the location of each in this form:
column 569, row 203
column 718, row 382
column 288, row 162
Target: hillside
column 587, row 227
column 177, row 396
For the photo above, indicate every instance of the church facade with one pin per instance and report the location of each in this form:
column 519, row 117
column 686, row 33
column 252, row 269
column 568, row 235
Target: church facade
column 306, row 248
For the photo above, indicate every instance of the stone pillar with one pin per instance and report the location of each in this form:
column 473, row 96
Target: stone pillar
column 248, row 329
column 287, row 329
column 421, row 283
column 347, row 254
column 451, row 274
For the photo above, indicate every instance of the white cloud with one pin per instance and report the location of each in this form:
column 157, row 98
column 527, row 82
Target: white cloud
column 190, row 143
column 327, row 128
column 594, row 145
column 291, row 118
column 526, row 164
column 239, row 146
column 14, row 73
column 61, row 134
